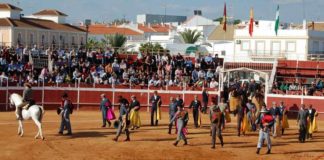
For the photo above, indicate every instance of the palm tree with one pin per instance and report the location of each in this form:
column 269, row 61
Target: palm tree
column 190, row 36
column 115, row 40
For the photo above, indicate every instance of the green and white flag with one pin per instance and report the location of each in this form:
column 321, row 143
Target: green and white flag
column 277, row 21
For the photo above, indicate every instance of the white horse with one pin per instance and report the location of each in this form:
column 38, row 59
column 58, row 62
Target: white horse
column 35, row 112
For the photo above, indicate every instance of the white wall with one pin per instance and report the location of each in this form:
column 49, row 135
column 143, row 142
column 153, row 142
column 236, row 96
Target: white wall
column 291, row 43
column 14, row 14
column 56, row 19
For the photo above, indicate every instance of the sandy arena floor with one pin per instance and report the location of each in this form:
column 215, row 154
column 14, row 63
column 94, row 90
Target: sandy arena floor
column 90, row 141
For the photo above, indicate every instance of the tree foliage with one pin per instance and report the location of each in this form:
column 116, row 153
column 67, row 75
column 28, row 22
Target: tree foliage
column 156, row 47
column 115, row 40
column 190, row 36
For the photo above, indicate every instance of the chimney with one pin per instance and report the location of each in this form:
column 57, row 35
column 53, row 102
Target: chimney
column 197, row 12
column 313, row 25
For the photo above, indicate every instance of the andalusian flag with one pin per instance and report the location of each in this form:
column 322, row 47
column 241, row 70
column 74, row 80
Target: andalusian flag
column 277, row 21
column 251, row 22
column 224, row 18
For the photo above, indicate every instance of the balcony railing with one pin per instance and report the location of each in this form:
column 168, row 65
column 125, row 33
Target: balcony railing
column 264, row 55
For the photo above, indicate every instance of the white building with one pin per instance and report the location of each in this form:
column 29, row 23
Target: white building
column 46, row 28
column 292, row 43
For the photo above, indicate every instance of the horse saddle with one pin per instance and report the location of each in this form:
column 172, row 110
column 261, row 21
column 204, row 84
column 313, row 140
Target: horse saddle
column 26, row 106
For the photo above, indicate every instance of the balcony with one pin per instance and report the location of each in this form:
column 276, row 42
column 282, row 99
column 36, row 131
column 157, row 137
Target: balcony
column 262, row 55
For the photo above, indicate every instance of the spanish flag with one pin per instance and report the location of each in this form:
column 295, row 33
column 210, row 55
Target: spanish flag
column 251, row 22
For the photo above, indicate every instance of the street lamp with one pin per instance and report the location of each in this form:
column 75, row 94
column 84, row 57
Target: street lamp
column 87, row 23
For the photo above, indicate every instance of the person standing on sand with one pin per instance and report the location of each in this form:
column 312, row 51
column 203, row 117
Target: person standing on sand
column 266, row 121
column 182, row 119
column 123, row 120
column 172, row 111
column 104, row 104
column 302, row 118
column 216, row 123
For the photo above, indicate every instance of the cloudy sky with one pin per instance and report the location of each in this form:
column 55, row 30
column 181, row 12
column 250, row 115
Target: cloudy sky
column 107, row 10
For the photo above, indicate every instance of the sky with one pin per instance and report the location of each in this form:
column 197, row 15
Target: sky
column 108, row 10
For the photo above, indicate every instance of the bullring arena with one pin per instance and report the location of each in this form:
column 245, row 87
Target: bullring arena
column 90, row 141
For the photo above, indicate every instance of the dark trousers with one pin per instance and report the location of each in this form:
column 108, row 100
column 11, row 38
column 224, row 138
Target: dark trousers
column 239, row 123
column 204, row 107
column 154, row 113
column 216, row 130
column 104, row 116
column 171, row 115
column 302, row 133
column 195, row 113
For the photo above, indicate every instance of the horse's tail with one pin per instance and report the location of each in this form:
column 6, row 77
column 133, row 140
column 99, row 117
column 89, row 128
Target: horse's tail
column 41, row 113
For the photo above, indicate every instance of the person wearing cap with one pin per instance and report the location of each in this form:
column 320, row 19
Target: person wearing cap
column 302, row 118
column 266, row 121
column 66, row 111
column 216, row 117
column 27, row 99
column 172, row 111
column 104, row 104
column 156, row 103
column 134, row 117
column 123, row 119
column 182, row 119
column 196, row 105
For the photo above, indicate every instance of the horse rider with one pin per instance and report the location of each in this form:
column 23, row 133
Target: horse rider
column 27, row 100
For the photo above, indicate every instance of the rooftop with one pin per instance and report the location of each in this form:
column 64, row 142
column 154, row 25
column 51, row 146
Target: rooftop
column 39, row 23
column 49, row 12
column 105, row 29
column 6, row 6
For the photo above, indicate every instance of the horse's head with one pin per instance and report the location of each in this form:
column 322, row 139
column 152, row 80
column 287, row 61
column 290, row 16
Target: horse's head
column 12, row 104
column 15, row 100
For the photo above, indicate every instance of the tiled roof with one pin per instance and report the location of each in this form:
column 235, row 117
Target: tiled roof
column 145, row 28
column 6, row 6
column 161, row 28
column 51, row 12
column 5, row 22
column 39, row 23
column 103, row 29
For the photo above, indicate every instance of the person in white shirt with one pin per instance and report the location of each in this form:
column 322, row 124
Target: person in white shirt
column 201, row 73
column 213, row 83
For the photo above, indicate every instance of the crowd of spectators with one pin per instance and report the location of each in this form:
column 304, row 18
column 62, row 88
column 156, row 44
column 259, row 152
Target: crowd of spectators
column 106, row 66
column 315, row 88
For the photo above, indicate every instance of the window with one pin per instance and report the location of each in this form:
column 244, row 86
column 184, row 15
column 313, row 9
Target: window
column 19, row 39
column 43, row 39
column 275, row 48
column 315, row 47
column 53, row 40
column 260, row 47
column 72, row 40
column 81, row 41
column 291, row 46
column 31, row 39
column 245, row 45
